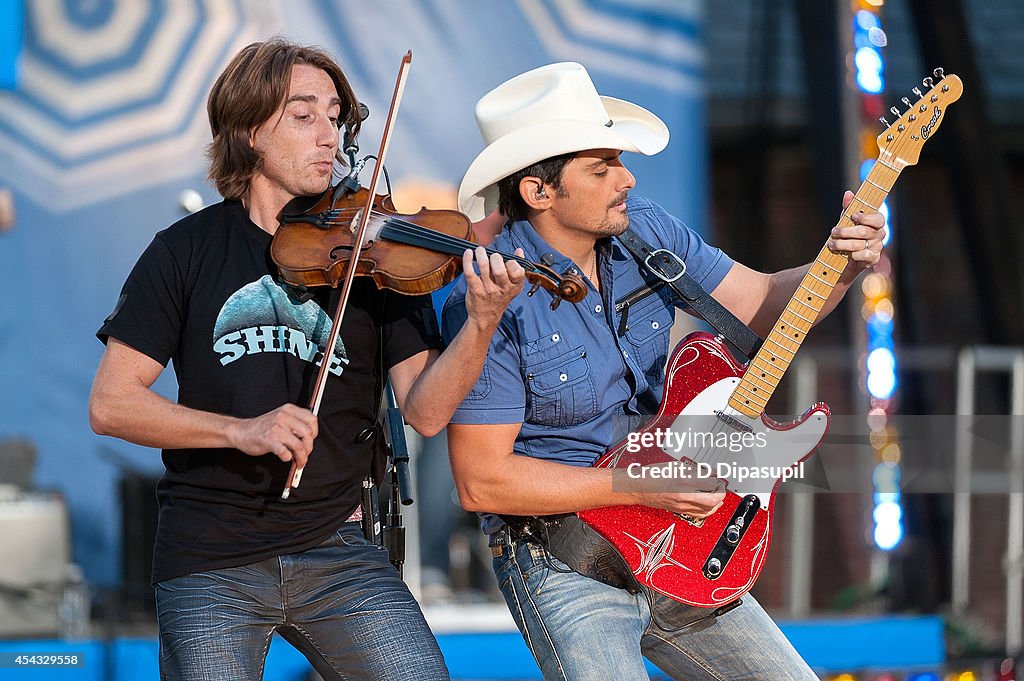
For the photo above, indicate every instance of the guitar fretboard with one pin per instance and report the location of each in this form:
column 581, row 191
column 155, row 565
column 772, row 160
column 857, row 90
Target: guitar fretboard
column 765, row 371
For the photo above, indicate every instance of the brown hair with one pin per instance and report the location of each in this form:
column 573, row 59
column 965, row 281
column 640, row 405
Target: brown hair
column 247, row 93
column 548, row 171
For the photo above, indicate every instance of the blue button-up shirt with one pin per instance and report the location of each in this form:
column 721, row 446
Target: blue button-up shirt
column 566, row 374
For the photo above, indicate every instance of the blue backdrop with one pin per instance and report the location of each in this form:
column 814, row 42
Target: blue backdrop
column 107, row 127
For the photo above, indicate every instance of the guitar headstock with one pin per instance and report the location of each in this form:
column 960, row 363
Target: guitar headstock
column 901, row 143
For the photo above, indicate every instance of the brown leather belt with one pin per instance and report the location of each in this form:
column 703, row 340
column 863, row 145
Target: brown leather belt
column 576, row 544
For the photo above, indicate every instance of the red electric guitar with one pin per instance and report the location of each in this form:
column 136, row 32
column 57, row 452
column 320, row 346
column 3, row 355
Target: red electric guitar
column 714, row 408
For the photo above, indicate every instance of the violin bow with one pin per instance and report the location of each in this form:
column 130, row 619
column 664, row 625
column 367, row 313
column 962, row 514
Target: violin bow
column 295, row 474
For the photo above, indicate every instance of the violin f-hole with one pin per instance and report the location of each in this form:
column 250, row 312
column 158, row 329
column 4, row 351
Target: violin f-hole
column 345, row 248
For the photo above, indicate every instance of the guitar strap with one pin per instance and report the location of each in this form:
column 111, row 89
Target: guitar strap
column 670, row 269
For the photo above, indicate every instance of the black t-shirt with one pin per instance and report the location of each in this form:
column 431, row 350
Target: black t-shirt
column 204, row 295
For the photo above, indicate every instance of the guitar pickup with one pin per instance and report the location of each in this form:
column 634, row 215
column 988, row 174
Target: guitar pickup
column 727, row 543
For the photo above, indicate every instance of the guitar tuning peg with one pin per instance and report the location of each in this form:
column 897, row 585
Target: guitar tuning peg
column 939, row 73
column 917, row 91
column 927, row 82
column 895, row 112
column 906, row 102
column 884, row 122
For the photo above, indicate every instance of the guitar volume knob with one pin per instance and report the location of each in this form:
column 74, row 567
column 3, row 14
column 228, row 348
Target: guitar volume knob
column 732, row 534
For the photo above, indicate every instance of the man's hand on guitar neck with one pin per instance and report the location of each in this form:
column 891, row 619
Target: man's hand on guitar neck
column 862, row 240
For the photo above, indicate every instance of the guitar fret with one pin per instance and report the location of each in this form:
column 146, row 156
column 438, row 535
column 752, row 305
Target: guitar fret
column 751, row 397
column 797, row 314
column 795, row 325
column 743, row 386
column 788, row 348
column 738, row 405
column 868, row 180
column 771, row 361
column 763, row 368
column 825, row 264
column 883, row 163
column 808, row 306
column 748, row 377
column 823, row 281
column 862, row 201
column 818, row 295
column 791, row 353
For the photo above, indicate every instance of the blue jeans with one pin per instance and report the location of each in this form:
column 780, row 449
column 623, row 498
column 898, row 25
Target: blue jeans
column 580, row 629
column 341, row 604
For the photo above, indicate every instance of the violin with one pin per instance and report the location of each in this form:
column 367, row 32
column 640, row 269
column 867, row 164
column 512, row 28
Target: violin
column 410, row 254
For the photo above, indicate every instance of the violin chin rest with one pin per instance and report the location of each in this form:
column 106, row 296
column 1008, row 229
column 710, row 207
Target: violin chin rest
column 301, row 205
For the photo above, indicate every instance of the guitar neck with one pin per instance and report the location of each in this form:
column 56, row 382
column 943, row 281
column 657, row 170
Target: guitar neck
column 765, row 371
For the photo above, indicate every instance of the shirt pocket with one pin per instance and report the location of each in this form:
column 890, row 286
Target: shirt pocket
column 650, row 322
column 560, row 390
column 482, row 387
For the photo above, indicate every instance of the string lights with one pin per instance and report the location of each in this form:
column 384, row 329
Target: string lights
column 878, row 311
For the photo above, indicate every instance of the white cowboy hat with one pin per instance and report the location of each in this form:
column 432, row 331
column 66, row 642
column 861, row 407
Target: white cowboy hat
column 551, row 110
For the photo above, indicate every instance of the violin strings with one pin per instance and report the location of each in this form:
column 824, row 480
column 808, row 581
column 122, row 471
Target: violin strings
column 413, row 229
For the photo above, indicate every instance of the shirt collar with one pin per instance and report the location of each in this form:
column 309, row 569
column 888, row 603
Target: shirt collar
column 521, row 234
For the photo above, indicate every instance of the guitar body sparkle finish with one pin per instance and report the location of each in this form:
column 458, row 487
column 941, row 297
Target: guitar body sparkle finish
column 670, row 553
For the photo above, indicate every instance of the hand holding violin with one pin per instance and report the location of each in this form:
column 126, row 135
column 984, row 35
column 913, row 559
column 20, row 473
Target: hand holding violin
column 489, row 292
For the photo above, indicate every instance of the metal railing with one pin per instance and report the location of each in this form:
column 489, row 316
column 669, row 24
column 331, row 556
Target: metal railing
column 970, row 362
column 967, row 364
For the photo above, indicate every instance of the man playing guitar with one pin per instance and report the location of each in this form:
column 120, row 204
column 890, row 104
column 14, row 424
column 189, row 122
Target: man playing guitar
column 523, row 441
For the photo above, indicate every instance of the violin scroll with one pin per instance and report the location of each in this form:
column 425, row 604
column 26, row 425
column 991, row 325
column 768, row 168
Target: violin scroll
column 568, row 286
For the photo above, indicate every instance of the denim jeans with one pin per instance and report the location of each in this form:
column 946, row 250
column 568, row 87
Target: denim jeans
column 341, row 604
column 581, row 630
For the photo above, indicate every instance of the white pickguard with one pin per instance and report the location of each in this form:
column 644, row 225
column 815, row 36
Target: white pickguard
column 779, row 449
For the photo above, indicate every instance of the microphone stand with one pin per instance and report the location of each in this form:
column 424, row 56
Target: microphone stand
column 400, row 483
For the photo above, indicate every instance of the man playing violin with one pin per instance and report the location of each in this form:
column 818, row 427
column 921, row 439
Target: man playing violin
column 553, row 383
column 233, row 561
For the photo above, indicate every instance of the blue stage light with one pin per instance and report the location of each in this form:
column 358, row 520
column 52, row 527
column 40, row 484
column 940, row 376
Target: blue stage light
column 887, row 513
column 881, row 373
column 884, row 210
column 867, row 20
column 886, row 479
column 879, row 335
column 888, row 536
column 870, row 67
column 865, row 168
